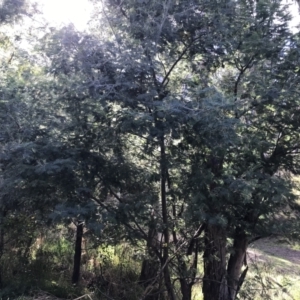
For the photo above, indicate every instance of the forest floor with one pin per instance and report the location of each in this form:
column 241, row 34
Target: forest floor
column 274, row 273
column 285, row 256
column 279, row 262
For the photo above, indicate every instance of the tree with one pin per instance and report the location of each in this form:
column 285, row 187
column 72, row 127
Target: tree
column 236, row 176
column 175, row 133
column 247, row 180
column 28, row 179
column 12, row 10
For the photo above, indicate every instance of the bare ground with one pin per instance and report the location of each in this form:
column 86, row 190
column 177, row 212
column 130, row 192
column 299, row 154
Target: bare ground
column 281, row 255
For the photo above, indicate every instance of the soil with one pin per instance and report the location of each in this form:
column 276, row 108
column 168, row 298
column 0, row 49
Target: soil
column 275, row 253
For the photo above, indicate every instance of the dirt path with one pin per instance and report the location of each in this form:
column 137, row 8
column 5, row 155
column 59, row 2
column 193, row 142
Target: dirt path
column 278, row 254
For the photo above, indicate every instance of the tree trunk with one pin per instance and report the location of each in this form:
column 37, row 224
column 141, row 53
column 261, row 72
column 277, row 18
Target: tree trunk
column 2, row 217
column 1, row 252
column 235, row 264
column 166, row 233
column 147, row 279
column 215, row 277
column 77, row 254
column 186, row 276
column 150, row 268
column 186, row 290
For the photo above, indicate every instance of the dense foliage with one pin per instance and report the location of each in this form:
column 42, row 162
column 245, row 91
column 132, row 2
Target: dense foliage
column 171, row 127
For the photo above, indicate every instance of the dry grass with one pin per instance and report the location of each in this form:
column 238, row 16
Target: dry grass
column 274, row 274
column 276, row 266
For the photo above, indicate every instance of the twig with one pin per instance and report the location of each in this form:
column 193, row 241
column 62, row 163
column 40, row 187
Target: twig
column 86, row 295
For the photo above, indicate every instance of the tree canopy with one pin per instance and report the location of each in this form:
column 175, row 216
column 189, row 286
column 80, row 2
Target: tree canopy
column 171, row 125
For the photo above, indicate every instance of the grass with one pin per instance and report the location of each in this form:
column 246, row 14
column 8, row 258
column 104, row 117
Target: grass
column 275, row 267
column 274, row 273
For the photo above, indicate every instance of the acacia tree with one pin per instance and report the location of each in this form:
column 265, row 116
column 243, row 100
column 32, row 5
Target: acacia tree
column 148, row 86
column 12, row 131
column 246, row 187
column 26, row 194
column 178, row 116
column 86, row 129
column 176, row 125
column 138, row 104
column 250, row 39
column 149, row 98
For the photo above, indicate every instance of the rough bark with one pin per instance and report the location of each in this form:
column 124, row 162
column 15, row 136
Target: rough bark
column 235, row 264
column 1, row 252
column 2, row 233
column 215, row 275
column 147, row 279
column 166, row 233
column 77, row 254
column 187, row 273
column 186, row 290
column 150, row 268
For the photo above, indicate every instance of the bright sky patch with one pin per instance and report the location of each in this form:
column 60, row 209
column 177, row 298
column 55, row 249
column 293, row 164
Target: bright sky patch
column 63, row 12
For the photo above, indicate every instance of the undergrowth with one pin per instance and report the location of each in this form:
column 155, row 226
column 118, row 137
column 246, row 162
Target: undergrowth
column 112, row 272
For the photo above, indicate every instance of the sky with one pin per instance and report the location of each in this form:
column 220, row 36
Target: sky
column 77, row 12
column 59, row 12
column 295, row 14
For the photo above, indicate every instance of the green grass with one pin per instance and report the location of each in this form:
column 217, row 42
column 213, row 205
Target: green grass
column 274, row 273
